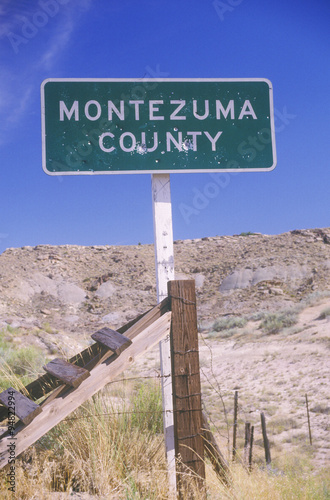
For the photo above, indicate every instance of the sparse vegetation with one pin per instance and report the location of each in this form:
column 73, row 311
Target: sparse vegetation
column 47, row 328
column 227, row 323
column 280, row 424
column 257, row 316
column 18, row 365
column 106, row 449
column 323, row 408
column 325, row 313
column 12, row 330
column 248, row 233
column 147, row 409
column 275, row 322
column 26, row 361
column 226, row 327
column 315, row 298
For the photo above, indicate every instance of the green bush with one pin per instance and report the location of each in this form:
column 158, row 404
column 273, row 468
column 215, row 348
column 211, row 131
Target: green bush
column 227, row 323
column 257, row 316
column 325, row 313
column 25, row 361
column 315, row 297
column 275, row 322
column 18, row 365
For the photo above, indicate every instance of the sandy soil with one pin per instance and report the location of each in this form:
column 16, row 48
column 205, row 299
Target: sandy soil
column 272, row 374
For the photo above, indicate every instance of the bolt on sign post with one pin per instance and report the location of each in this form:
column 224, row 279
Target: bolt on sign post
column 158, row 126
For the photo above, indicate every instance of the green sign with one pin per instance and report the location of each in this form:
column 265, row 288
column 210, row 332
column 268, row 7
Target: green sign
column 111, row 126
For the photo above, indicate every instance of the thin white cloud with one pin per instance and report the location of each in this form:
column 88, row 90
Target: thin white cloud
column 62, row 35
column 14, row 99
column 19, row 81
column 22, row 104
column 59, row 41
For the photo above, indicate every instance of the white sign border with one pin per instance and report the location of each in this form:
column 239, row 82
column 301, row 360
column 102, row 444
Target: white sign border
column 155, row 80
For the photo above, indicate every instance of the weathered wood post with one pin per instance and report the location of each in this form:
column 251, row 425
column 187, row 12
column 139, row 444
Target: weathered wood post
column 309, row 422
column 235, row 424
column 265, row 438
column 247, row 443
column 187, row 405
column 251, row 447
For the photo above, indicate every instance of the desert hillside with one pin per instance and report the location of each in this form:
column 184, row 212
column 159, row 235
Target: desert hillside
column 263, row 312
column 76, row 289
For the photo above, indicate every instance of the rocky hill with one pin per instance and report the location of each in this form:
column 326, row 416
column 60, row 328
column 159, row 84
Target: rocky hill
column 74, row 290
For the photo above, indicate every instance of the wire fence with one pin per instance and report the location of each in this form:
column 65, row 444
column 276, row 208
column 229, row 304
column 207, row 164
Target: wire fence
column 222, row 431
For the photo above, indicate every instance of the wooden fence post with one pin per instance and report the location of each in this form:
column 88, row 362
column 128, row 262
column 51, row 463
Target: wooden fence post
column 235, row 423
column 189, row 446
column 309, row 422
column 247, row 443
column 251, row 447
column 265, row 438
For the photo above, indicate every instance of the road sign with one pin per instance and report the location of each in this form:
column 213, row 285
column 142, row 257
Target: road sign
column 118, row 126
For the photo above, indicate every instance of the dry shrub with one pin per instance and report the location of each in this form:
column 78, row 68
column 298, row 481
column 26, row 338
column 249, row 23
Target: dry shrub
column 267, row 484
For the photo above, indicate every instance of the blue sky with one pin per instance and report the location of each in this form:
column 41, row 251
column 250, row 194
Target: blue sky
column 286, row 42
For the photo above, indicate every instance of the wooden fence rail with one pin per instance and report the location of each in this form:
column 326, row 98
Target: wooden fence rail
column 68, row 384
column 67, row 396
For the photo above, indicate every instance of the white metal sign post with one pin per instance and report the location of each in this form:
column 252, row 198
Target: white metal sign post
column 163, row 235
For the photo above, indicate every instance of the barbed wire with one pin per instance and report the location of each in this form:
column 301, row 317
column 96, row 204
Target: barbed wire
column 218, row 391
column 131, row 412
